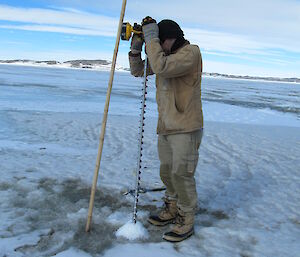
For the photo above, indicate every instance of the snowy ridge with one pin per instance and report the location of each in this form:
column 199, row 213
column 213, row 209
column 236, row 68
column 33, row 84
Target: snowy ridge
column 255, row 78
column 105, row 65
column 101, row 65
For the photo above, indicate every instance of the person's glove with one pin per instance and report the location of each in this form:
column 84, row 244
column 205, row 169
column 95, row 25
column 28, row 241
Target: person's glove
column 150, row 29
column 136, row 44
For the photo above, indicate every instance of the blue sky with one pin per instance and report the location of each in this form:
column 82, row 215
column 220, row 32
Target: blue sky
column 258, row 37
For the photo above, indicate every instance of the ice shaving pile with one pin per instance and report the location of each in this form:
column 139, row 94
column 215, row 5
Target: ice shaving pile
column 132, row 231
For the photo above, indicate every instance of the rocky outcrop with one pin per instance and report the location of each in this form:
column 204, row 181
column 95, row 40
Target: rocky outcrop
column 87, row 63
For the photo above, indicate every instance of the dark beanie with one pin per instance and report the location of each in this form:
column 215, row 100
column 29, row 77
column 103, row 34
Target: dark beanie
column 169, row 29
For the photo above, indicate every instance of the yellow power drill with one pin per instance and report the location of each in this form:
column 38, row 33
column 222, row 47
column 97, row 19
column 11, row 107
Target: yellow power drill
column 128, row 30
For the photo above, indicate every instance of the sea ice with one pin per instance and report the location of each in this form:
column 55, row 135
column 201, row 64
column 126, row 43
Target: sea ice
column 247, row 177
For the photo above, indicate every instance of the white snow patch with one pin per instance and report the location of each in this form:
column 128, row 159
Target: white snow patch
column 80, row 214
column 72, row 252
column 132, row 231
column 9, row 246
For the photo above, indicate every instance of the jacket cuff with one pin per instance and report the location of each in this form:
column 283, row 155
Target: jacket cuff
column 134, row 55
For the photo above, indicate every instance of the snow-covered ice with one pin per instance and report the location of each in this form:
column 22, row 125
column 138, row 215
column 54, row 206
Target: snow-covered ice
column 248, row 177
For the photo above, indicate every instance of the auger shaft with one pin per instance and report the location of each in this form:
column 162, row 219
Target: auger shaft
column 140, row 144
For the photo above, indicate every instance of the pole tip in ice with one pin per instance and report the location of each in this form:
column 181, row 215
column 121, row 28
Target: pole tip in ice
column 88, row 224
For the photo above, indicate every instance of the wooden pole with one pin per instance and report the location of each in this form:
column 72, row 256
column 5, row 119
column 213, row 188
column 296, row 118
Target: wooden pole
column 104, row 120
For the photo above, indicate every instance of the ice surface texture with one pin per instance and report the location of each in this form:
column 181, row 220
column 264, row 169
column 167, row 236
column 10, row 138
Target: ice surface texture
column 248, row 179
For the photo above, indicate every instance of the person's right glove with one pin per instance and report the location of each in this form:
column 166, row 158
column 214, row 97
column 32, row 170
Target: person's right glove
column 136, row 44
column 150, row 29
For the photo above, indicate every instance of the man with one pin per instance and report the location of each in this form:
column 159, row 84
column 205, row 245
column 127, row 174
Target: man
column 178, row 68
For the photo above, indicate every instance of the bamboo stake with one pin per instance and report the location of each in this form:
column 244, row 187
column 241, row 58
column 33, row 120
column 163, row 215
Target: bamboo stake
column 104, row 120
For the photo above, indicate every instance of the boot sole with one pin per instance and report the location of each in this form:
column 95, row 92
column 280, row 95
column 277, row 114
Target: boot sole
column 159, row 223
column 174, row 238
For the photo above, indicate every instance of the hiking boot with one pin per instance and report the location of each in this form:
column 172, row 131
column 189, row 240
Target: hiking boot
column 184, row 228
column 166, row 216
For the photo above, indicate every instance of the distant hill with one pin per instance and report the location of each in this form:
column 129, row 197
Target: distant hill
column 106, row 65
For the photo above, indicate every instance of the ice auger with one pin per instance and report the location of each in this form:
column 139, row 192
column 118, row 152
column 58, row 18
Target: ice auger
column 140, row 143
column 128, row 30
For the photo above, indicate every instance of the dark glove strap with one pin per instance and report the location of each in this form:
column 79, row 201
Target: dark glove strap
column 148, row 20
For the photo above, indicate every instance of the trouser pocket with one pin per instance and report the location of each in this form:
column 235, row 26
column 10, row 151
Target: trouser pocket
column 185, row 158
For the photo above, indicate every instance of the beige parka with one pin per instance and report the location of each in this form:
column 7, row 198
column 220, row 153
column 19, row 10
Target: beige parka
column 178, row 86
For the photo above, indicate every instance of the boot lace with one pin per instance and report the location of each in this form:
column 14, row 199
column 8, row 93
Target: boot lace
column 179, row 220
column 166, row 208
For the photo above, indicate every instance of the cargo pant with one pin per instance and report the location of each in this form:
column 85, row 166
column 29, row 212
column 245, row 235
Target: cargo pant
column 178, row 154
